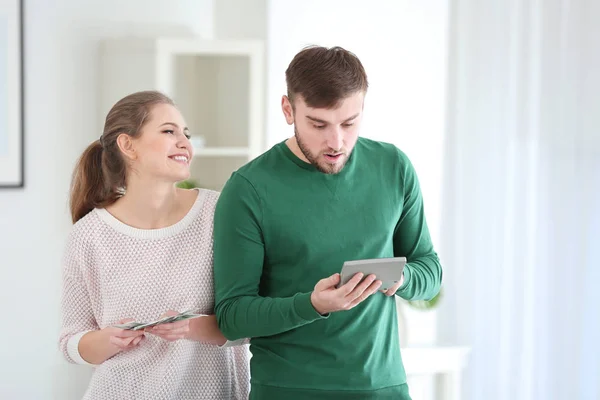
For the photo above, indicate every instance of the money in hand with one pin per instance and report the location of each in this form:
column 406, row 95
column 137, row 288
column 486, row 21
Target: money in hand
column 129, row 325
column 136, row 326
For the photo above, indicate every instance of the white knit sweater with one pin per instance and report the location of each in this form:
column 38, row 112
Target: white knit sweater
column 113, row 271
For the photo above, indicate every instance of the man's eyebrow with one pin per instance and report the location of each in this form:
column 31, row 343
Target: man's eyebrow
column 325, row 122
column 316, row 120
column 352, row 117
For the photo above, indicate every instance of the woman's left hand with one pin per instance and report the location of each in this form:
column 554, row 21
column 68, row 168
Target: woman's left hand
column 172, row 331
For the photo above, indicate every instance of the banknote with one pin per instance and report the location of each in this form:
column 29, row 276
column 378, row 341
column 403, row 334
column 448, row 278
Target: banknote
column 136, row 326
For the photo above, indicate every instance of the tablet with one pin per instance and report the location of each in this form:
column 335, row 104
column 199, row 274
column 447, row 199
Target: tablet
column 387, row 270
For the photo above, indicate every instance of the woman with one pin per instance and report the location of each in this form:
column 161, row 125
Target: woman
column 140, row 249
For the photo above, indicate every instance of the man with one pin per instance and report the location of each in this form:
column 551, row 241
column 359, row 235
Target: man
column 286, row 222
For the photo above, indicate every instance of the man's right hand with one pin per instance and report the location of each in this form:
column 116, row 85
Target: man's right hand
column 328, row 298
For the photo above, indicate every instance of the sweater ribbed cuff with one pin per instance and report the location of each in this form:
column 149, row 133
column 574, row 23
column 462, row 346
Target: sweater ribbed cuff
column 73, row 348
column 305, row 309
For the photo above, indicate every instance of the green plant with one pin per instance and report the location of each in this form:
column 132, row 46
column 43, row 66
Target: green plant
column 188, row 184
column 426, row 304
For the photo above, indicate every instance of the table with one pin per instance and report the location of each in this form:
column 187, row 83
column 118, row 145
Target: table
column 446, row 363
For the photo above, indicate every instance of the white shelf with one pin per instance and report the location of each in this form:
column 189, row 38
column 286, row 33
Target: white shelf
column 206, row 79
column 222, row 152
column 434, row 359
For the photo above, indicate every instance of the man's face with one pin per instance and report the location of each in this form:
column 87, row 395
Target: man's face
column 326, row 137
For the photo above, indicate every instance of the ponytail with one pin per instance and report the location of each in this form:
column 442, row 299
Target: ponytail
column 89, row 188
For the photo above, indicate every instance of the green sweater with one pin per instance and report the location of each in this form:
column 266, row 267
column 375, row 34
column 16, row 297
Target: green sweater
column 280, row 227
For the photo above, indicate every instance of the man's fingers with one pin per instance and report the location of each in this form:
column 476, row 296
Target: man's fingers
column 373, row 287
column 327, row 283
column 392, row 291
column 358, row 290
column 351, row 284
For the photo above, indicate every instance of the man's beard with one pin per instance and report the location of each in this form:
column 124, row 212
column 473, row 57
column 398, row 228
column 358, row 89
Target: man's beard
column 323, row 167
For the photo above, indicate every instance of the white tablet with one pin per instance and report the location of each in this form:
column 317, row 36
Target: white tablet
column 387, row 270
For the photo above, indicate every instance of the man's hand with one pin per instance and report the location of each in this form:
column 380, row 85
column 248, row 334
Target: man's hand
column 327, row 298
column 392, row 291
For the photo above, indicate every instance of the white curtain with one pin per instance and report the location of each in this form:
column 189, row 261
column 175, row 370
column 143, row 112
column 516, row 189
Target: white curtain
column 521, row 218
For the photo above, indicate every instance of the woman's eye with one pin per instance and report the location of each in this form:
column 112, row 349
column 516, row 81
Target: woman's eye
column 168, row 131
column 188, row 136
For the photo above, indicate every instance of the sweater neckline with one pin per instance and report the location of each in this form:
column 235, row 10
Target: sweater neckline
column 159, row 233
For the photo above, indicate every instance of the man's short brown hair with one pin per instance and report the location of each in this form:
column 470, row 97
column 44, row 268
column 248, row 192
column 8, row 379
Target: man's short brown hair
column 325, row 76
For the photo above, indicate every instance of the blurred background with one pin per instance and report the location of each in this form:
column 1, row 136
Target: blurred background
column 495, row 102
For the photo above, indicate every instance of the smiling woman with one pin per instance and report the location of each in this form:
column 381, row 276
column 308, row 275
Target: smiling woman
column 141, row 249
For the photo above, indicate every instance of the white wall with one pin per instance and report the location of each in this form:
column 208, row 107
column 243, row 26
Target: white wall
column 241, row 19
column 60, row 103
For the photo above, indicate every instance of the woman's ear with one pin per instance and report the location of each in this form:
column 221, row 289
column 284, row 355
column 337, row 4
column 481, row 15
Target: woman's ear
column 126, row 145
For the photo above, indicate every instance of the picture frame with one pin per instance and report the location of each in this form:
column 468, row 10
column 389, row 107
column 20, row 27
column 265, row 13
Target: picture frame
column 12, row 138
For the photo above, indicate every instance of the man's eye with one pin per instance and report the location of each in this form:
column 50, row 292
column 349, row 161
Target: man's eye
column 319, row 126
column 168, row 131
column 188, row 136
column 347, row 125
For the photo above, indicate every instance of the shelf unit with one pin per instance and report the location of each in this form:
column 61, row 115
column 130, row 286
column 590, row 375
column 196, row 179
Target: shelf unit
column 221, row 151
column 217, row 84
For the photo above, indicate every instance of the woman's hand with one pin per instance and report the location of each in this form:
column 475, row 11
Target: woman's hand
column 206, row 330
column 171, row 331
column 123, row 339
column 95, row 347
